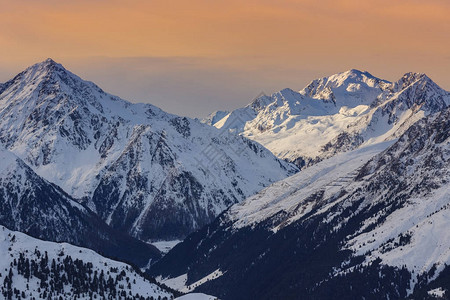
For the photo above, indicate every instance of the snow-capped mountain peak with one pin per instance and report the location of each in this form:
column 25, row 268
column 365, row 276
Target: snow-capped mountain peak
column 129, row 162
column 337, row 113
column 260, row 102
column 354, row 76
column 424, row 83
column 414, row 91
column 350, row 88
column 49, row 77
column 410, row 78
column 47, row 66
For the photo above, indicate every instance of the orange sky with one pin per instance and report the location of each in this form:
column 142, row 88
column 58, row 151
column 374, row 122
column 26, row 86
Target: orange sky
column 172, row 52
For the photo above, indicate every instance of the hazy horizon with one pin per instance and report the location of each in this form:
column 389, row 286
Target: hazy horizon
column 197, row 57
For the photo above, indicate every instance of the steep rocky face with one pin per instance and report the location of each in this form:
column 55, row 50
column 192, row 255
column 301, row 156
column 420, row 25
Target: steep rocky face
column 337, row 113
column 32, row 205
column 150, row 173
column 369, row 223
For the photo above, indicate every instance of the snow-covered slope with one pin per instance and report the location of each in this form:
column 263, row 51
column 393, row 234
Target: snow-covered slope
column 45, row 270
column 32, row 205
column 144, row 171
column 371, row 223
column 336, row 114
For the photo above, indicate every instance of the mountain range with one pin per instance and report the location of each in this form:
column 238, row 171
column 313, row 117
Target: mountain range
column 339, row 190
column 371, row 223
column 334, row 114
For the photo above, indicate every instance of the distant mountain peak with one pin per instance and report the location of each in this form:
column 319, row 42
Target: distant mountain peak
column 260, row 102
column 49, row 62
column 356, row 72
column 360, row 87
column 354, row 76
column 416, row 75
column 341, row 111
column 420, row 80
column 419, row 89
column 34, row 75
column 48, row 83
column 412, row 77
column 47, row 66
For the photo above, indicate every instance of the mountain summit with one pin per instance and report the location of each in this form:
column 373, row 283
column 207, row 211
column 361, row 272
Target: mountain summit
column 350, row 88
column 142, row 170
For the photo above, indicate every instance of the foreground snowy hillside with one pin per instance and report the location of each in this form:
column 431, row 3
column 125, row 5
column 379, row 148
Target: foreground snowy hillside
column 44, row 270
column 143, row 171
column 30, row 204
column 370, row 223
column 335, row 114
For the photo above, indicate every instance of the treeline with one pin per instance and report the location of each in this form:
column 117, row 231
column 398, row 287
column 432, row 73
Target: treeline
column 66, row 278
